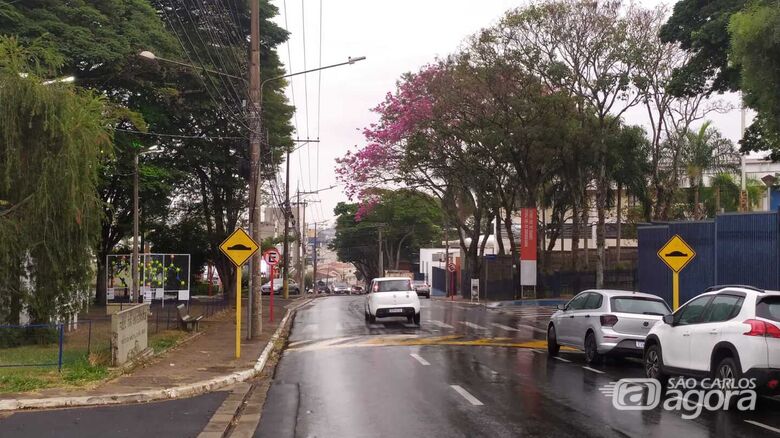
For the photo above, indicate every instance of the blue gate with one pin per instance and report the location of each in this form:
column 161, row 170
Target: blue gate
column 734, row 248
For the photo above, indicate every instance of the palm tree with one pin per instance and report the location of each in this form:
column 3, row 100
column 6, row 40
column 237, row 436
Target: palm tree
column 706, row 150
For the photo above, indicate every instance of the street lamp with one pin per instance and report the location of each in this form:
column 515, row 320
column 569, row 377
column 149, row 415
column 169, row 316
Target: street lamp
column 286, row 259
column 152, row 57
column 135, row 293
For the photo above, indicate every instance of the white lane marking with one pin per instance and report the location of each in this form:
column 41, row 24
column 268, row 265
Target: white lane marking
column 594, row 370
column 756, row 423
column 561, row 359
column 538, row 351
column 472, row 325
column 465, row 394
column 504, row 327
column 440, row 324
column 420, row 359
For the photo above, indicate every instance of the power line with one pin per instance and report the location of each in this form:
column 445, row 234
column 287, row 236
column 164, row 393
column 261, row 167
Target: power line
column 292, row 93
column 306, row 85
column 193, row 137
column 319, row 102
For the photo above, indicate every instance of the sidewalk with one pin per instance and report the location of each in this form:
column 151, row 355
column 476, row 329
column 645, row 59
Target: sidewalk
column 208, row 356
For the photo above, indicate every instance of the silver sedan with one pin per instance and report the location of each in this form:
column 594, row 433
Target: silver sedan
column 605, row 322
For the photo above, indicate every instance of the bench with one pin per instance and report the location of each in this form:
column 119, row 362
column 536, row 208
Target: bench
column 188, row 322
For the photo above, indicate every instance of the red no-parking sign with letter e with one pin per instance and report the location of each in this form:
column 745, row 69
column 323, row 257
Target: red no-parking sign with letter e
column 271, row 257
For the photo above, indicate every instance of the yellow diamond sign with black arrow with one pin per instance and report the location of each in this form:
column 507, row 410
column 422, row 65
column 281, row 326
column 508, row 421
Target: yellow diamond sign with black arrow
column 238, row 247
column 676, row 253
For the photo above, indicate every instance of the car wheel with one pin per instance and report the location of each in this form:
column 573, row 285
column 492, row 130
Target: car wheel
column 552, row 342
column 728, row 369
column 653, row 364
column 371, row 318
column 365, row 314
column 592, row 356
column 409, row 319
column 417, row 318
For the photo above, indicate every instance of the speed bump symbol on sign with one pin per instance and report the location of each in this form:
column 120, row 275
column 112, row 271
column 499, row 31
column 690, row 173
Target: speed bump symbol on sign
column 676, row 253
column 238, row 247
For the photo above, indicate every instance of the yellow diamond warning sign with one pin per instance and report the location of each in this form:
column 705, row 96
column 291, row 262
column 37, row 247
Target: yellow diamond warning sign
column 676, row 253
column 238, row 247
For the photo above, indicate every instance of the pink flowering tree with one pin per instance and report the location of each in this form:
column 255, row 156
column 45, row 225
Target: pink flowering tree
column 426, row 139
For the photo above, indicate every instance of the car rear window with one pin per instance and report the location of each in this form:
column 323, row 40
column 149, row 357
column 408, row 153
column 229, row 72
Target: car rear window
column 392, row 286
column 639, row 305
column 769, row 308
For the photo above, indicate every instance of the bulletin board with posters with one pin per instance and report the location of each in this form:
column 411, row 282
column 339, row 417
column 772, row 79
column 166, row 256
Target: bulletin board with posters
column 162, row 276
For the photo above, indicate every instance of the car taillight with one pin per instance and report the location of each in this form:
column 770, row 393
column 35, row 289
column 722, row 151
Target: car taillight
column 608, row 320
column 762, row 328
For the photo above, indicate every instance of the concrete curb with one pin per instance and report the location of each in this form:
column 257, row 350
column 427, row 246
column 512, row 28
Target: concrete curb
column 183, row 391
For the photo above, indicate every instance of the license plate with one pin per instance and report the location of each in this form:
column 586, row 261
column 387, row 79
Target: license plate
column 396, row 310
column 640, row 344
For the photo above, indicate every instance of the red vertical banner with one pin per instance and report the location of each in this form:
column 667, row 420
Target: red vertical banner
column 528, row 226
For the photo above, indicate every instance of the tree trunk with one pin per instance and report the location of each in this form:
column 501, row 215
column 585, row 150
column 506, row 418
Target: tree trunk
column 717, row 200
column 499, row 239
column 513, row 249
column 696, row 214
column 619, row 219
column 587, row 233
column 601, row 211
column 575, row 239
column 100, row 282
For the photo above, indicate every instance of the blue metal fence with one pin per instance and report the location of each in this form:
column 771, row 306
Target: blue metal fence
column 734, row 248
column 15, row 337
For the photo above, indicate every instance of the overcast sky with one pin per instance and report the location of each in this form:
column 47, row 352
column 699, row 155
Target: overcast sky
column 396, row 37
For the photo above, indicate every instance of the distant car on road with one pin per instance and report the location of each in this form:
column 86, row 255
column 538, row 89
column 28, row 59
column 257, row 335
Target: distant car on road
column 422, row 288
column 292, row 287
column 729, row 333
column 341, row 288
column 605, row 322
column 357, row 290
column 392, row 296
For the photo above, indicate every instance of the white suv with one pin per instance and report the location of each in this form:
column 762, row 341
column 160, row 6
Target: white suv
column 392, row 296
column 728, row 332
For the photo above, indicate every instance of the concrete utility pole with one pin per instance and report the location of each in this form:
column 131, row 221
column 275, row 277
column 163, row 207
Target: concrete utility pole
column 302, row 243
column 446, row 260
column 314, row 257
column 134, row 294
column 255, row 135
column 287, row 214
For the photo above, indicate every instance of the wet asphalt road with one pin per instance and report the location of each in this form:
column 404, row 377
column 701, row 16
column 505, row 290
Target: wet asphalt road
column 341, row 377
column 176, row 418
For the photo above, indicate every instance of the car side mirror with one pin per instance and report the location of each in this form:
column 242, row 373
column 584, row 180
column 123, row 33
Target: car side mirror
column 561, row 307
column 669, row 319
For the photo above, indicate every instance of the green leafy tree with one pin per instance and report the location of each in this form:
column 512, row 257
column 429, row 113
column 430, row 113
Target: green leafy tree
column 706, row 150
column 755, row 50
column 408, row 219
column 53, row 138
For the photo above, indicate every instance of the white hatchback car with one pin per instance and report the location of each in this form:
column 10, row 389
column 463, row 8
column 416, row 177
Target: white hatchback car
column 392, row 296
column 728, row 332
column 605, row 322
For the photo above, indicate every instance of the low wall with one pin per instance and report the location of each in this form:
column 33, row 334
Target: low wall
column 129, row 333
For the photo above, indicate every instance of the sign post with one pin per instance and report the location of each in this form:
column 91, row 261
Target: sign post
column 271, row 257
column 676, row 253
column 451, row 269
column 238, row 247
